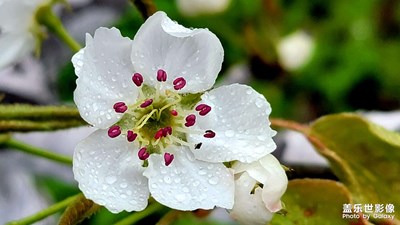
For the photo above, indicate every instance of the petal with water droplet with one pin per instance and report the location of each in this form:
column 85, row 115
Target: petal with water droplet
column 240, row 122
column 102, row 60
column 194, row 54
column 192, row 189
column 111, row 174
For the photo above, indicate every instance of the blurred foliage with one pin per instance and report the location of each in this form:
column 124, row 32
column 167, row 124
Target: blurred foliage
column 364, row 156
column 354, row 65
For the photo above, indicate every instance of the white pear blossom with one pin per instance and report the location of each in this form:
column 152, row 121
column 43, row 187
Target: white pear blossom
column 198, row 7
column 159, row 132
column 16, row 25
column 295, row 50
column 258, row 188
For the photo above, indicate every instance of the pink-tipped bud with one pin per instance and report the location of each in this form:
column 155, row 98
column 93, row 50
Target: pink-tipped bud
column 203, row 109
column 120, row 107
column 179, row 83
column 146, row 103
column 209, row 134
column 114, row 131
column 168, row 158
column 143, row 154
column 159, row 133
column 137, row 78
column 190, row 120
column 174, row 112
column 131, row 136
column 161, row 75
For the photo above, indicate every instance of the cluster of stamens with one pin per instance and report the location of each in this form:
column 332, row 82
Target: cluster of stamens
column 157, row 120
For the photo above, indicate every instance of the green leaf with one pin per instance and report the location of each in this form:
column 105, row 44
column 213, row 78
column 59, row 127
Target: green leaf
column 314, row 202
column 78, row 210
column 364, row 156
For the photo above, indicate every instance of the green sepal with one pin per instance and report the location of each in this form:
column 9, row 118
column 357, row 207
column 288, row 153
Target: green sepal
column 78, row 210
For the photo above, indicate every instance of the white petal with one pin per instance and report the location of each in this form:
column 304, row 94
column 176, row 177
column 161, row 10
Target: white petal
column 104, row 75
column 249, row 209
column 109, row 172
column 189, row 184
column 239, row 117
column 16, row 40
column 194, row 54
column 270, row 173
column 276, row 183
column 14, row 47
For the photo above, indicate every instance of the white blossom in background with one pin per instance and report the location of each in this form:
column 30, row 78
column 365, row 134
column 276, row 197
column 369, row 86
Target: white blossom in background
column 159, row 131
column 16, row 26
column 295, row 50
column 199, row 7
column 255, row 204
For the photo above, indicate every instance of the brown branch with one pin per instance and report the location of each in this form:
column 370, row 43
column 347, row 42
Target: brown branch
column 145, row 7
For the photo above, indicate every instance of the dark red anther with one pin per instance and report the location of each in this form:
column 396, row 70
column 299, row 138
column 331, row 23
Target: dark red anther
column 120, row 107
column 143, row 154
column 146, row 103
column 114, row 131
column 137, row 78
column 179, row 83
column 159, row 133
column 131, row 136
column 161, row 75
column 168, row 158
column 174, row 112
column 190, row 120
column 166, row 131
column 209, row 134
column 203, row 109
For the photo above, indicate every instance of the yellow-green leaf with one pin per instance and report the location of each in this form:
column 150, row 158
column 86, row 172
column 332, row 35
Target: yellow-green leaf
column 315, row 202
column 365, row 157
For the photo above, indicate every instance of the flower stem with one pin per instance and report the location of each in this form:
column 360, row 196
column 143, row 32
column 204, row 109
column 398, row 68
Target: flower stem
column 33, row 112
column 46, row 17
column 12, row 143
column 289, row 124
column 140, row 215
column 45, row 213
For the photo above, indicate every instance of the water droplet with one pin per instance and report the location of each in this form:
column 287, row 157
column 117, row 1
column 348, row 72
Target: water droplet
column 262, row 137
column 213, row 180
column 229, row 133
column 185, row 189
column 114, row 79
column 249, row 92
column 167, row 179
column 202, row 171
column 154, row 186
column 79, row 156
column 99, row 78
column 123, row 185
column 111, row 179
column 108, row 116
column 180, row 197
column 133, row 202
column 259, row 102
column 196, row 183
